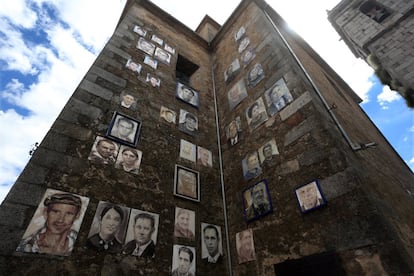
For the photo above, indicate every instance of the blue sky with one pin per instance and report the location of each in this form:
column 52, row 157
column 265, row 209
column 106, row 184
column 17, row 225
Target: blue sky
column 47, row 46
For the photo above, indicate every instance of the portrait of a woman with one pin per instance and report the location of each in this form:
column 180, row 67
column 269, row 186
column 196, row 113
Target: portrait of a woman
column 129, row 160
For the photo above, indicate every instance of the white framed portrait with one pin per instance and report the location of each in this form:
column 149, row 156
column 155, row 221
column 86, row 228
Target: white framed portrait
column 204, row 157
column 236, row 94
column 233, row 131
column 187, row 150
column 186, row 94
column 247, row 56
column 183, row 260
column 140, row 30
column 133, row 66
column 168, row 115
column 211, row 244
column 169, row 48
column 146, row 46
column 153, row 80
column 157, row 39
column 256, row 114
column 188, row 122
column 268, row 151
column 232, row 71
column 186, row 183
column 104, row 151
column 255, row 75
column 127, row 100
column 129, row 159
column 277, row 97
column 240, row 33
column 251, row 166
column 243, row 44
column 162, row 55
column 184, row 224
column 245, row 246
column 153, row 63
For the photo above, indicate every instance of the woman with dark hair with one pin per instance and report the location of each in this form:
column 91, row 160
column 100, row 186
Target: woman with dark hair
column 110, row 220
column 129, row 161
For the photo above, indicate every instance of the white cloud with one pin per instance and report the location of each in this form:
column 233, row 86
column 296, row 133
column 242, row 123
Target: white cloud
column 387, row 96
column 18, row 13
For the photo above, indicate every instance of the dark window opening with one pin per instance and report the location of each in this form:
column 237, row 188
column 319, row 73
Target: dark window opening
column 185, row 69
column 374, row 11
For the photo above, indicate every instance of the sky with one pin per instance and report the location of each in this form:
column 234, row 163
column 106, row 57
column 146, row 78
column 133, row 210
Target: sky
column 47, row 46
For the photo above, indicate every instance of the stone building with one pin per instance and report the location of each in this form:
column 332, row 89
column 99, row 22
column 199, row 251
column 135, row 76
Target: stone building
column 358, row 222
column 381, row 33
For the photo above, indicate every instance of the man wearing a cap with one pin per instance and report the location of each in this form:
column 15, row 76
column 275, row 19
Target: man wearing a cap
column 56, row 237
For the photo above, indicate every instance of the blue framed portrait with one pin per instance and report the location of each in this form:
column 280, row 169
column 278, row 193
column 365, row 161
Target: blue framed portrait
column 257, row 201
column 310, row 196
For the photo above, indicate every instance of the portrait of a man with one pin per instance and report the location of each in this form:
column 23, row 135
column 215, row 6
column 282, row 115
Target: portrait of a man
column 187, row 150
column 133, row 66
column 256, row 114
column 104, row 151
column 146, row 46
column 107, row 232
column 124, row 129
column 151, row 62
column 157, row 39
column 188, row 122
column 233, row 131
column 183, row 262
column 247, row 56
column 257, row 201
column 232, row 71
column 211, row 248
column 240, row 33
column 162, row 56
column 168, row 115
column 251, row 166
column 153, row 80
column 140, row 30
column 169, row 49
column 243, row 44
column 141, row 237
column 236, row 94
column 187, row 94
column 129, row 159
column 277, row 97
column 186, row 183
column 184, row 226
column 310, row 196
column 55, row 224
column 245, row 246
column 268, row 151
column 255, row 75
column 204, row 157
column 127, row 100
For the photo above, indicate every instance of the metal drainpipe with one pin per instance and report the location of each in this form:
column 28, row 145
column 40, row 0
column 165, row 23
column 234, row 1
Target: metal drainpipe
column 221, row 175
column 328, row 108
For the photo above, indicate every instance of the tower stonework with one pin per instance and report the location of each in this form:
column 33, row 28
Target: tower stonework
column 362, row 224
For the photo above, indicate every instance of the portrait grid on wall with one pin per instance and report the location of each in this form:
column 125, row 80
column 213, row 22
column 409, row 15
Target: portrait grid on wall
column 186, row 183
column 124, row 129
column 140, row 30
column 211, row 245
column 277, row 97
column 236, row 94
column 243, row 44
column 187, row 150
column 129, row 159
column 168, row 115
column 233, row 131
column 188, row 122
column 104, row 151
column 247, row 56
column 141, row 237
column 151, row 62
column 146, row 46
column 57, row 218
column 109, row 225
column 169, row 49
column 268, row 151
column 240, row 33
column 133, row 66
column 204, row 157
column 257, row 201
column 245, row 246
column 153, row 80
column 183, row 260
column 186, row 94
column 310, row 196
column 184, row 225
column 127, row 100
column 232, row 71
column 255, row 75
column 157, row 39
column 256, row 114
column 162, row 55
column 251, row 166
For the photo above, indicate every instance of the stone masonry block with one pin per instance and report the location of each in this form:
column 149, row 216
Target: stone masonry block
column 55, row 141
column 83, row 108
column 295, row 105
column 10, row 238
column 33, row 174
column 289, row 167
column 108, row 76
column 118, row 51
column 24, row 193
column 339, row 184
column 297, row 132
column 71, row 130
column 96, row 89
column 13, row 215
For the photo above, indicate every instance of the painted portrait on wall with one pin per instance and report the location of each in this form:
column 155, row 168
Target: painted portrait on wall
column 277, row 97
column 104, row 151
column 232, row 71
column 162, row 56
column 310, row 196
column 124, row 129
column 255, row 75
column 233, row 131
column 168, row 115
column 183, row 260
column 240, row 33
column 140, row 30
column 257, row 201
column 141, row 237
column 146, row 46
column 157, row 39
column 133, row 66
column 245, row 246
column 187, row 150
column 151, row 62
column 247, row 56
column 184, row 225
column 186, row 183
column 127, row 100
column 243, row 44
column 129, row 159
column 153, row 80
column 186, row 94
column 204, row 157
column 107, row 232
column 268, row 151
column 236, row 94
column 256, row 114
column 251, row 166
column 188, row 122
column 211, row 246
column 55, row 224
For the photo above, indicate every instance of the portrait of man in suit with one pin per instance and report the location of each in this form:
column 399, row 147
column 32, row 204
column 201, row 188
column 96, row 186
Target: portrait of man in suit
column 211, row 249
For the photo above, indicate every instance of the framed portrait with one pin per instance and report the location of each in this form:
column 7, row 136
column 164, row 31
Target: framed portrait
column 277, row 97
column 188, row 122
column 184, row 225
column 133, row 66
column 211, row 246
column 153, row 80
column 257, row 201
column 157, row 39
column 104, row 151
column 255, row 75
column 46, row 225
column 310, row 196
column 151, row 62
column 245, row 246
column 232, row 71
column 236, row 94
column 146, row 46
column 124, row 129
column 169, row 49
column 251, row 166
column 187, row 150
column 162, row 55
column 183, row 260
column 233, row 131
column 187, row 183
column 140, row 30
column 247, row 56
column 168, row 115
column 240, row 33
column 204, row 157
column 186, row 94
column 256, row 114
column 243, row 44
column 109, row 225
column 142, row 230
column 268, row 151
column 129, row 159
column 127, row 100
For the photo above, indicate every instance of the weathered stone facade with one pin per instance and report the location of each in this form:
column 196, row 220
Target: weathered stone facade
column 321, row 134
